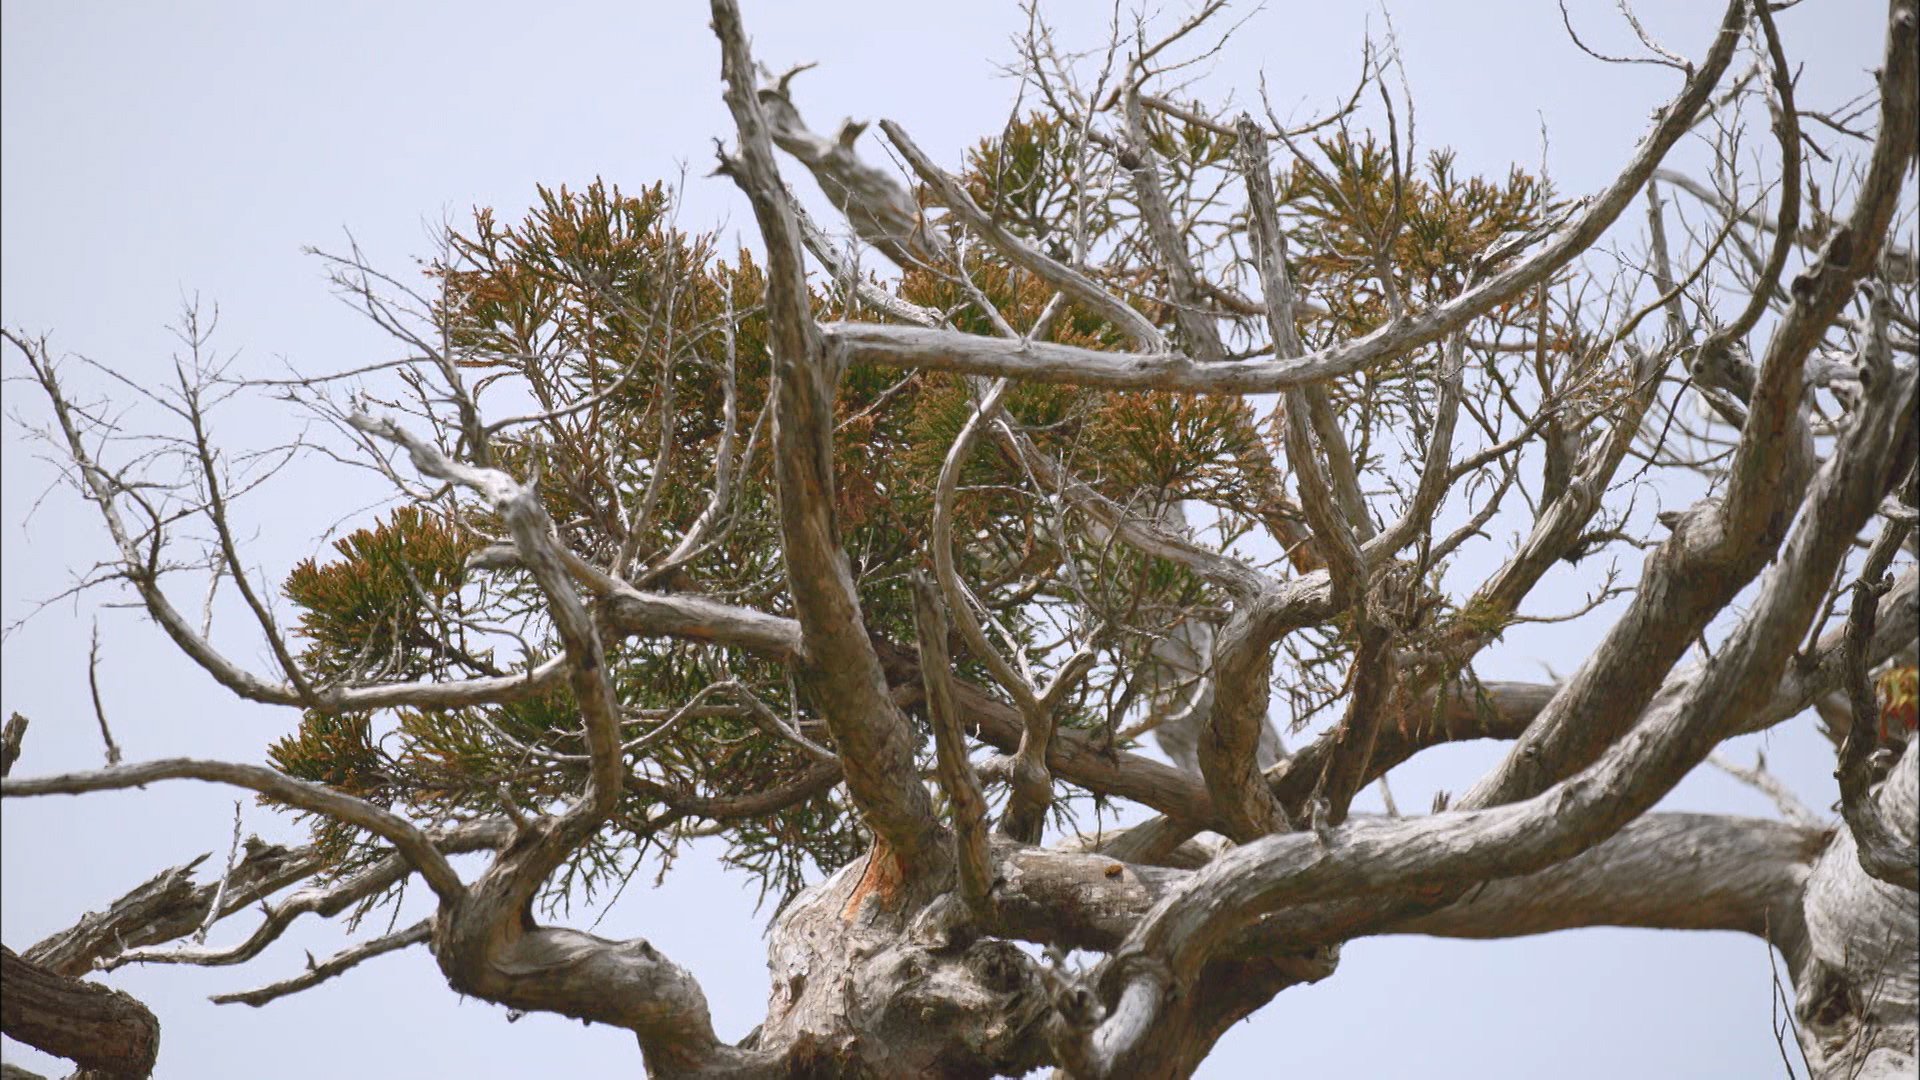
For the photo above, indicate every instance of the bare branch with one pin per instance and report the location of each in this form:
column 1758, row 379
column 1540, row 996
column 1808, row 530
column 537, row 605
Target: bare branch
column 533, row 539
column 839, row 669
column 342, row 961
column 1372, row 680
column 1719, row 546
column 93, row 687
column 1900, row 261
column 415, row 845
column 880, row 210
column 1065, row 278
column 1769, row 785
column 220, row 890
column 1449, row 848
column 1039, row 362
column 169, row 906
column 1884, row 852
column 956, row 773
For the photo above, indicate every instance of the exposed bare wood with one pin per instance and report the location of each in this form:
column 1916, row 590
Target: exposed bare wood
column 681, row 592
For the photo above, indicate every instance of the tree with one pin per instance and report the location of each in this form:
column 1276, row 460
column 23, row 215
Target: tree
column 686, row 545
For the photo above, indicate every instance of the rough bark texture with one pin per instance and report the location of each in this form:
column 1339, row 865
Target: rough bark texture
column 168, row 907
column 862, row 989
column 840, row 670
column 1858, row 988
column 917, row 958
column 95, row 1027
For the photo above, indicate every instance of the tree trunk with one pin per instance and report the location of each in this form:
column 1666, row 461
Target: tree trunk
column 1859, row 979
column 100, row 1029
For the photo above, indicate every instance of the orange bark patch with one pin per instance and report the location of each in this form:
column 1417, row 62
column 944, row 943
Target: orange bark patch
column 883, row 877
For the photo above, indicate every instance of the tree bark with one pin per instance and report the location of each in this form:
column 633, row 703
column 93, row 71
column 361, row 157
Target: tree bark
column 97, row 1028
column 1858, row 983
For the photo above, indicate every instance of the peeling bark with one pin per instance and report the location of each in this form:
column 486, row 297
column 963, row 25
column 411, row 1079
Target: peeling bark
column 1858, row 982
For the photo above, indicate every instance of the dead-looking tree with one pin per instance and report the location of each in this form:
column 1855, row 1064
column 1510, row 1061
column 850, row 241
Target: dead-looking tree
column 877, row 551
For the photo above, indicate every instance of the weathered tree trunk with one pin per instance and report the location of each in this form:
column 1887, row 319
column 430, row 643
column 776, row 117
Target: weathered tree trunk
column 871, row 981
column 104, row 1031
column 1858, row 979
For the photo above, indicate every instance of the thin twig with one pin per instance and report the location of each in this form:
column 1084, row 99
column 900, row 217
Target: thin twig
column 317, row 973
column 220, row 894
column 1767, row 784
column 99, row 710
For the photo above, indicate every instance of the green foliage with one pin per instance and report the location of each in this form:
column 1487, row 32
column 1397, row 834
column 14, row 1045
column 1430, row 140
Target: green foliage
column 374, row 611
column 1026, row 178
column 640, row 361
column 1189, row 446
column 337, row 750
column 1433, row 225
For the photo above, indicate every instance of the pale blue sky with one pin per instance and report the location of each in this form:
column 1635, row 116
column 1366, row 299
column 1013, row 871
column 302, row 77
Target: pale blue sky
column 157, row 151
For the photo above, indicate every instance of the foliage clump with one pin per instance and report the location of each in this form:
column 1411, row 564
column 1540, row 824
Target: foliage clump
column 639, row 361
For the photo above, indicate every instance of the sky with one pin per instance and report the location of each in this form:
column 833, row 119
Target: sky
column 150, row 154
